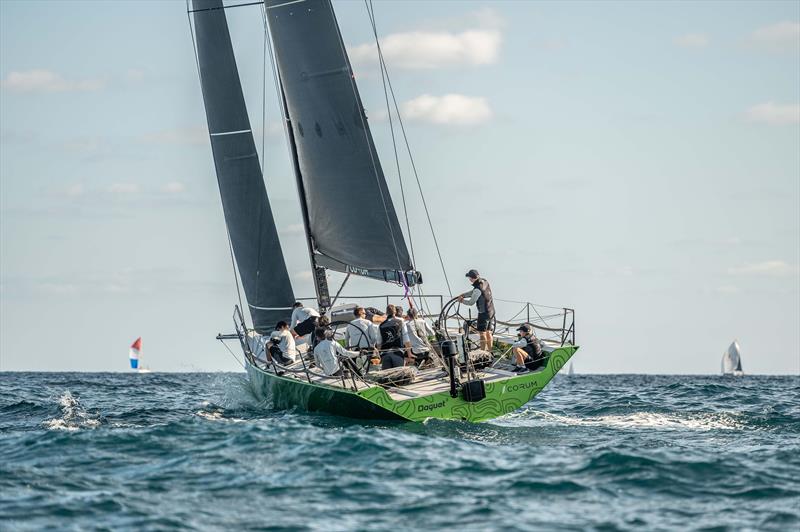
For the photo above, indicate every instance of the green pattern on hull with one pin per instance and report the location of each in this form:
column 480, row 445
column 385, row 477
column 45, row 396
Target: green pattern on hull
column 502, row 396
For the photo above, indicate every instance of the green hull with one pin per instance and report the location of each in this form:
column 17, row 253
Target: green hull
column 502, row 396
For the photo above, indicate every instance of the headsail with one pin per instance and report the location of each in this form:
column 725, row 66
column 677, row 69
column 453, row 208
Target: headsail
column 134, row 352
column 244, row 197
column 351, row 220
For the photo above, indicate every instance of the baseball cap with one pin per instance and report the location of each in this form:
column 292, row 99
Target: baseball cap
column 472, row 273
column 524, row 328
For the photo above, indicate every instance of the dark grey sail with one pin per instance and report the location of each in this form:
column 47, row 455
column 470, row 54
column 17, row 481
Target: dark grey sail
column 350, row 217
column 248, row 215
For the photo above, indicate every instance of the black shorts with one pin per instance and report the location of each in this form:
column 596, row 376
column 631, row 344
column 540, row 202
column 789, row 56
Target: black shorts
column 392, row 359
column 484, row 322
column 305, row 327
column 533, row 362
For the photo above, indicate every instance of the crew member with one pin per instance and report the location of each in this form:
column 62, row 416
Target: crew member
column 328, row 352
column 527, row 351
column 418, row 331
column 361, row 333
column 304, row 320
column 284, row 342
column 393, row 341
column 481, row 296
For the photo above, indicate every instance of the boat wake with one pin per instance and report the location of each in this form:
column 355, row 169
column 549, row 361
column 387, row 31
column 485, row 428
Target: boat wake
column 73, row 415
column 634, row 420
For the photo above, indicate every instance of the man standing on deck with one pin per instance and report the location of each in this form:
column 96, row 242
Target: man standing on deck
column 481, row 296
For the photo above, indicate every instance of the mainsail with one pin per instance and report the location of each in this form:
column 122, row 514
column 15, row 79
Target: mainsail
column 732, row 360
column 248, row 215
column 350, row 219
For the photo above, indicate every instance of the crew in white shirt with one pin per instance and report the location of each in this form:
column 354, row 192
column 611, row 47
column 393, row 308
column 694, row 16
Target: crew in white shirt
column 418, row 331
column 286, row 341
column 304, row 320
column 327, row 353
column 361, row 333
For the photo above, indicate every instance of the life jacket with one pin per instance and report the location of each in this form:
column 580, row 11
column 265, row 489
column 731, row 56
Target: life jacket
column 533, row 347
column 485, row 302
column 391, row 334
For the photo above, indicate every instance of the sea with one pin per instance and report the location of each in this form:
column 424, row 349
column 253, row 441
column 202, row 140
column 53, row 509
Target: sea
column 184, row 451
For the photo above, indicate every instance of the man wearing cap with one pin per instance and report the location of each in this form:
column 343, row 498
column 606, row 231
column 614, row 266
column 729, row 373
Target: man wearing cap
column 527, row 351
column 481, row 297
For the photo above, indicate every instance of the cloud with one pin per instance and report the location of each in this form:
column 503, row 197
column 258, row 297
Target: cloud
column 770, row 268
column 450, row 109
column 48, row 81
column 304, row 275
column 774, row 114
column 173, row 187
column 187, row 135
column 134, row 75
column 692, row 40
column 432, row 49
column 293, row 229
column 60, row 289
column 777, row 38
column 124, row 188
column 727, row 289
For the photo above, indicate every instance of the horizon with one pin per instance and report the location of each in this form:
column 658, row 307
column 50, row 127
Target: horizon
column 639, row 163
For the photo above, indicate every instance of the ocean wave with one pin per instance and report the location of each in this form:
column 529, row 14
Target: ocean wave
column 73, row 415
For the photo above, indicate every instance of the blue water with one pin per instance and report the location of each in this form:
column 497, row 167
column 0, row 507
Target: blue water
column 197, row 451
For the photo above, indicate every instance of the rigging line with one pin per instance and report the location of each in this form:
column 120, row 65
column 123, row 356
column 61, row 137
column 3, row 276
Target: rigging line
column 208, row 124
column 234, row 355
column 416, row 174
column 263, row 96
column 371, row 13
column 340, row 290
column 370, row 146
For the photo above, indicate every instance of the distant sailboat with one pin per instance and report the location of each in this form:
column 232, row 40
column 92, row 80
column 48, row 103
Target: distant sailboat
column 134, row 353
column 732, row 360
column 571, row 371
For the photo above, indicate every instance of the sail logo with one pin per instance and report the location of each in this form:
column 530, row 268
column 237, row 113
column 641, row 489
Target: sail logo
column 357, row 271
column 434, row 406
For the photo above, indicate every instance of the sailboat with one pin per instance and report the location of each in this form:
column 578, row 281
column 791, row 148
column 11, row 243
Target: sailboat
column 732, row 360
column 571, row 371
column 351, row 227
column 134, row 355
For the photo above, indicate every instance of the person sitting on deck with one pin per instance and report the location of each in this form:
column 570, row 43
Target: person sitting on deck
column 393, row 341
column 304, row 320
column 282, row 347
column 361, row 333
column 418, row 331
column 328, row 352
column 527, row 351
column 481, row 297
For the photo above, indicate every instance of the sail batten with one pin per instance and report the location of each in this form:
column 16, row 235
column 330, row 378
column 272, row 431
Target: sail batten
column 248, row 215
column 352, row 224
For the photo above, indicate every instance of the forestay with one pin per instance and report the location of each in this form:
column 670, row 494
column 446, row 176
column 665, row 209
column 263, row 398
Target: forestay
column 352, row 223
column 244, row 197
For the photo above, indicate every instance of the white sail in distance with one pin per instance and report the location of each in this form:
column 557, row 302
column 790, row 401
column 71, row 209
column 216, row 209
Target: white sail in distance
column 732, row 360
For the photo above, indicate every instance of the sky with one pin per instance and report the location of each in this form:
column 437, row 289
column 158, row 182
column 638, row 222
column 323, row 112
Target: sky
column 636, row 161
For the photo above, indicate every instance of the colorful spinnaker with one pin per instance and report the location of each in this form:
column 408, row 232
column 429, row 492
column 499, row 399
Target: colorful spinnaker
column 135, row 350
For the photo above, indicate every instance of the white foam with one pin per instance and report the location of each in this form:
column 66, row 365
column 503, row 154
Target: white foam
column 633, row 420
column 73, row 415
